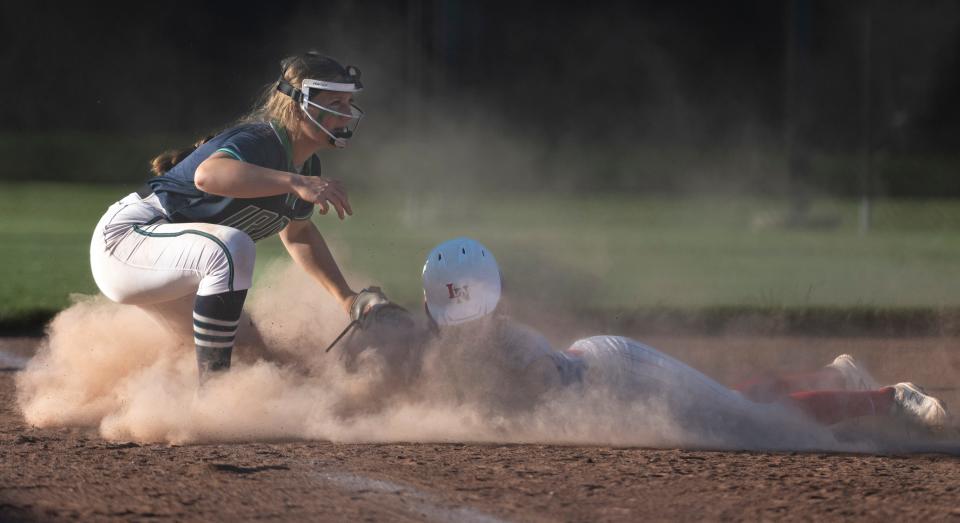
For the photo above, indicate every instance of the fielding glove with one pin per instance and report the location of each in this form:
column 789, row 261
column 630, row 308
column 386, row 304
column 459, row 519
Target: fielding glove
column 371, row 307
column 373, row 313
column 364, row 302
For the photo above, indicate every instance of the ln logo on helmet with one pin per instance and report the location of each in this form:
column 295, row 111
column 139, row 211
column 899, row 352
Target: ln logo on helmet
column 460, row 294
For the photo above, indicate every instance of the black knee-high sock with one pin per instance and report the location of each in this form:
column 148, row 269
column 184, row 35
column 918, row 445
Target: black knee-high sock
column 215, row 321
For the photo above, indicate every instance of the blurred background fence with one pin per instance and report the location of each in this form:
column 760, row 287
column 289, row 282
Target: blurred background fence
column 777, row 97
column 620, row 154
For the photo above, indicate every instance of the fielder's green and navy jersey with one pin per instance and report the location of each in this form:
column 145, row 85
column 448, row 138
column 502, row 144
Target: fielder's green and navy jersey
column 263, row 144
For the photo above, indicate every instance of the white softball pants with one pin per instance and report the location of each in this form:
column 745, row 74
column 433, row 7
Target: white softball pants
column 139, row 258
column 716, row 415
column 633, row 370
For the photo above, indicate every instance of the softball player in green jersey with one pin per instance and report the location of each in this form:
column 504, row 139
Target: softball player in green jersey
column 186, row 238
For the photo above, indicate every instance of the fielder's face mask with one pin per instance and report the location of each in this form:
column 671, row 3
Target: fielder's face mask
column 339, row 136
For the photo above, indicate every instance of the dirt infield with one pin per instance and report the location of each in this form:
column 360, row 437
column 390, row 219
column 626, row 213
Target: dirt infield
column 66, row 474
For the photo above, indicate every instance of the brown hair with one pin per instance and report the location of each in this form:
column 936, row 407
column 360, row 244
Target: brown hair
column 167, row 159
column 271, row 104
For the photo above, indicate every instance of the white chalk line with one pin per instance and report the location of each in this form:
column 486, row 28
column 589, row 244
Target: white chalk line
column 416, row 500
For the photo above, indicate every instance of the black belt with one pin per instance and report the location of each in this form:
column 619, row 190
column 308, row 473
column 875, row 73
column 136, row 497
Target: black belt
column 144, row 191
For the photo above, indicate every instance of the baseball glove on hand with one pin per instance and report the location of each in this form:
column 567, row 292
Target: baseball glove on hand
column 372, row 307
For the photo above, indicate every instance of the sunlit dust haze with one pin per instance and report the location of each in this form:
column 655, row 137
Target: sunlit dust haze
column 112, row 368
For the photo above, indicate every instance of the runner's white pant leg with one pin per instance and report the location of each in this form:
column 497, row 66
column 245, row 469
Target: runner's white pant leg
column 138, row 258
column 632, row 370
column 715, row 414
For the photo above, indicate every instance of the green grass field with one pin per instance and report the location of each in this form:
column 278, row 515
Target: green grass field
column 598, row 251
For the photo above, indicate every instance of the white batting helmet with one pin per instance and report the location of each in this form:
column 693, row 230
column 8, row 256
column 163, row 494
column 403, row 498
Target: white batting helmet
column 461, row 282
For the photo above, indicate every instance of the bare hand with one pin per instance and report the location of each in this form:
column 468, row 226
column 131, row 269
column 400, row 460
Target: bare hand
column 320, row 191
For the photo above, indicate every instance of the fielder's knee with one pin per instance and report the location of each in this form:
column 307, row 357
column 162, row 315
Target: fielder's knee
column 231, row 267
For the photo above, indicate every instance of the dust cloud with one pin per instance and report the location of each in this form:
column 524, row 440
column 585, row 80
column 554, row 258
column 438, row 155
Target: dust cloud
column 112, row 368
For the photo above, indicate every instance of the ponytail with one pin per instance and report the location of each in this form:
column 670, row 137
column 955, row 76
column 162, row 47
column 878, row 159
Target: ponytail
column 167, row 159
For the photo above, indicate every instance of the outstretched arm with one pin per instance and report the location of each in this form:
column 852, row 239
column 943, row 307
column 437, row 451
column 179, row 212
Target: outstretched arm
column 223, row 175
column 308, row 248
